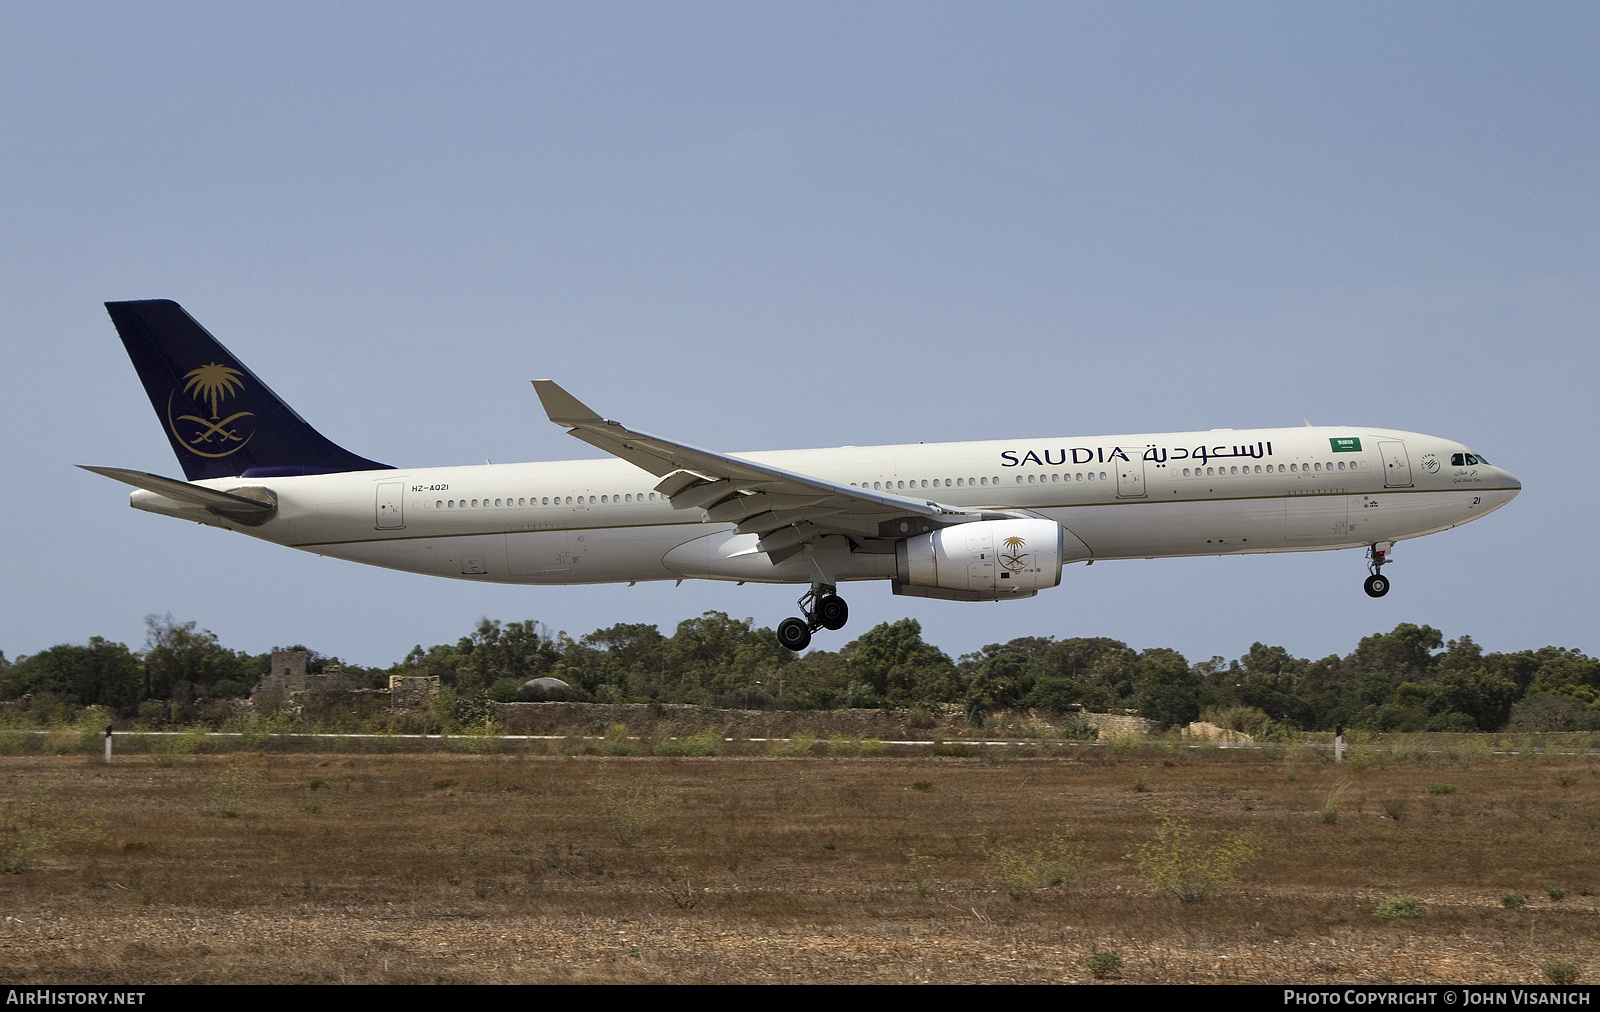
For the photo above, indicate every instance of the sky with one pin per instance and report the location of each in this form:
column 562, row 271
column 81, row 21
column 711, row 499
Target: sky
column 771, row 225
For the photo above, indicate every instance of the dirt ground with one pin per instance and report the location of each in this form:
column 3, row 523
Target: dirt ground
column 508, row 869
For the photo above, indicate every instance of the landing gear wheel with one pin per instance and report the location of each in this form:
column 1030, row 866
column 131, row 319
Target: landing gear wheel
column 1375, row 585
column 832, row 612
column 794, row 634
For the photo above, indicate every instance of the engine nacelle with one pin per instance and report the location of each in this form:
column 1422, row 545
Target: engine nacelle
column 983, row 560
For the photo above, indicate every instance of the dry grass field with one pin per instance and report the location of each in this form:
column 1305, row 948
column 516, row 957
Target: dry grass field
column 504, row 868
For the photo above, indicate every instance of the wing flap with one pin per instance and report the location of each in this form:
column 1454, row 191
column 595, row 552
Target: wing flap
column 787, row 509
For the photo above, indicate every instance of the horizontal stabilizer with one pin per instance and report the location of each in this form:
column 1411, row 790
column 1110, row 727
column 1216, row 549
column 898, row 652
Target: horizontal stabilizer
column 227, row 504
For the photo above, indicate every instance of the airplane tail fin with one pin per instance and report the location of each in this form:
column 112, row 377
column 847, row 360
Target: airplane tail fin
column 221, row 420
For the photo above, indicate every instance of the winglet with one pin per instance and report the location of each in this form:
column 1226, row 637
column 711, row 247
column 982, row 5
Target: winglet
column 562, row 407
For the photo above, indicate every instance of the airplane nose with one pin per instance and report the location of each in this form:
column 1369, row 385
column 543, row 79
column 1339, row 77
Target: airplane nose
column 1512, row 483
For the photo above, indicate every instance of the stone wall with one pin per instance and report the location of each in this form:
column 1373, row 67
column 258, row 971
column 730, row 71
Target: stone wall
column 1118, row 725
column 885, row 725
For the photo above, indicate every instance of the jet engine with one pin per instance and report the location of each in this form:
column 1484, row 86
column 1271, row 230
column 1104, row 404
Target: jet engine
column 983, row 560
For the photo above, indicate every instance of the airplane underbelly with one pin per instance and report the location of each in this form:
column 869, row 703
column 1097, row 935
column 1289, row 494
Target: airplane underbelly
column 729, row 555
column 1293, row 523
column 609, row 555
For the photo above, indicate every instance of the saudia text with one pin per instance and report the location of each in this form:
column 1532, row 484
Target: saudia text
column 1156, row 454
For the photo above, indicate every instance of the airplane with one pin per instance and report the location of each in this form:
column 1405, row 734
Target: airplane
column 990, row 520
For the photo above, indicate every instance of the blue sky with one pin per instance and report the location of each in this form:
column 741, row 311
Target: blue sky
column 759, row 226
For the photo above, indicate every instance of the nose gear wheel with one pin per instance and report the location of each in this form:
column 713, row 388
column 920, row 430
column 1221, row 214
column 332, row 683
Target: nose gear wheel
column 1377, row 584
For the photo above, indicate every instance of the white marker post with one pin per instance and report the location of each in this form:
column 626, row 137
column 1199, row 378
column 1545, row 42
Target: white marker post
column 1338, row 745
column 108, row 741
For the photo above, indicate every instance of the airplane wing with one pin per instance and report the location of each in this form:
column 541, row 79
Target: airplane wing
column 788, row 510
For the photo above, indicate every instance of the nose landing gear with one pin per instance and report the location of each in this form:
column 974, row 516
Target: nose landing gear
column 1377, row 584
column 822, row 609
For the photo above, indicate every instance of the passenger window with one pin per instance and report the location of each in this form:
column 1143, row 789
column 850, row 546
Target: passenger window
column 439, row 505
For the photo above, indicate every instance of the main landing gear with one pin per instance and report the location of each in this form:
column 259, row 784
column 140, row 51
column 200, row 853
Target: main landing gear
column 1377, row 584
column 822, row 609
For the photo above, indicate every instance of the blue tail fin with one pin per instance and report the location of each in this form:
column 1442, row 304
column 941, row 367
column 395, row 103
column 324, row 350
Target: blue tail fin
column 221, row 420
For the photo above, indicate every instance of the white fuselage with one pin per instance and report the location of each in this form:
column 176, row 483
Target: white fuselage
column 1222, row 492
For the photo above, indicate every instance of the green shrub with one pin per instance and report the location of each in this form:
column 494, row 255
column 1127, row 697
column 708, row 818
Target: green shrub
column 1441, row 788
column 841, row 745
column 1104, row 964
column 1556, row 893
column 1021, row 870
column 1329, row 812
column 616, row 742
column 170, row 746
column 705, row 742
column 1173, row 864
column 633, row 809
column 1559, row 972
column 1079, row 729
column 1512, row 901
column 1399, row 906
column 800, row 743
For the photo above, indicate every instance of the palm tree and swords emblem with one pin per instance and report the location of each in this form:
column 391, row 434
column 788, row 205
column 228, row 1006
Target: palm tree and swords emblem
column 1017, row 561
column 211, row 384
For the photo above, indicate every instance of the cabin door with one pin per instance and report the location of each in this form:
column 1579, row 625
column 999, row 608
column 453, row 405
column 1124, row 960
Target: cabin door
column 1396, row 465
column 389, row 514
column 1130, row 479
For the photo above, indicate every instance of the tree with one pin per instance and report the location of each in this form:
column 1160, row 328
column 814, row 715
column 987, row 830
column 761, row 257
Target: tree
column 901, row 667
column 1169, row 690
column 179, row 652
column 516, row 650
column 717, row 655
column 101, row 673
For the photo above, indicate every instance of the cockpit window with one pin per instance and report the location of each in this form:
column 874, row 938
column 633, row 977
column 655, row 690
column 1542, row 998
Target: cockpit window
column 1466, row 459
